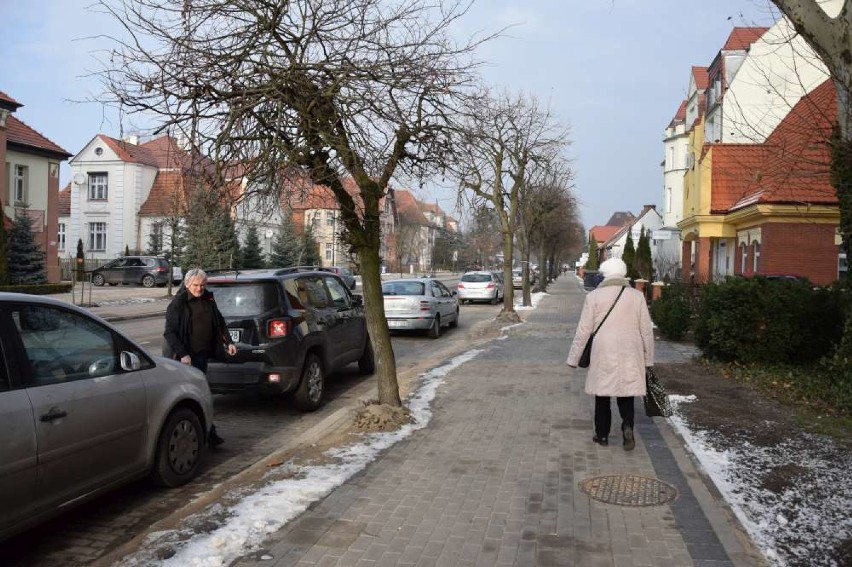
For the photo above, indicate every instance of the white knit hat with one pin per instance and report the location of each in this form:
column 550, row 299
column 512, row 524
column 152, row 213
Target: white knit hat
column 613, row 268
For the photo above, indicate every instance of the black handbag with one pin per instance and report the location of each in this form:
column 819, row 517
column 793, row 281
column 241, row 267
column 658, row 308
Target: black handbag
column 586, row 357
column 656, row 400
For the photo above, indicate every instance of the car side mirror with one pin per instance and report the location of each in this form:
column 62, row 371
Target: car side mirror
column 357, row 300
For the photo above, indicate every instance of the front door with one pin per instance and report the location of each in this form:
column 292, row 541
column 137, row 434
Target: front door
column 349, row 329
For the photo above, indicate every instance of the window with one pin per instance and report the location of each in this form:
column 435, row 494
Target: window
column 842, row 265
column 60, row 238
column 63, row 346
column 19, row 184
column 756, row 246
column 338, row 293
column 329, row 218
column 98, row 187
column 97, row 236
column 671, row 163
column 743, row 258
column 668, row 199
column 329, row 250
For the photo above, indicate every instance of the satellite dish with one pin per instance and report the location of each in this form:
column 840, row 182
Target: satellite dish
column 79, row 178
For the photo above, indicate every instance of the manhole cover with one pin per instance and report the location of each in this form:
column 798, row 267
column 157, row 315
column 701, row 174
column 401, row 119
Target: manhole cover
column 629, row 490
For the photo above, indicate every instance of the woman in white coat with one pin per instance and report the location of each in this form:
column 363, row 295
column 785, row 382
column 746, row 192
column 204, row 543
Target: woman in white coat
column 622, row 349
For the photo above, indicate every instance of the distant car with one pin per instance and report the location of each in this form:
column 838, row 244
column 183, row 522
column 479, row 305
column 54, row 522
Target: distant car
column 345, row 274
column 517, row 278
column 420, row 303
column 145, row 270
column 480, row 286
column 292, row 327
column 84, row 409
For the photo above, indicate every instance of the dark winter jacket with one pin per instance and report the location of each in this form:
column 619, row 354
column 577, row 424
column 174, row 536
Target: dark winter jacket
column 179, row 325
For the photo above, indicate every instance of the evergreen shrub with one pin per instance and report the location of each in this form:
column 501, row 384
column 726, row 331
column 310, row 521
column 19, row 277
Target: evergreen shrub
column 672, row 312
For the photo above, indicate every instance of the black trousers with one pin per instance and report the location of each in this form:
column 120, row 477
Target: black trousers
column 603, row 414
column 199, row 361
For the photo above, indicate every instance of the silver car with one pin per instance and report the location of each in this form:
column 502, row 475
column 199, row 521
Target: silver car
column 420, row 303
column 480, row 286
column 84, row 409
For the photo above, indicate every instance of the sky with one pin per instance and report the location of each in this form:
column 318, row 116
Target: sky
column 613, row 71
column 800, row 525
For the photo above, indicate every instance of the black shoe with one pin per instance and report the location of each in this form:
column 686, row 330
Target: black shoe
column 629, row 441
column 602, row 441
column 214, row 441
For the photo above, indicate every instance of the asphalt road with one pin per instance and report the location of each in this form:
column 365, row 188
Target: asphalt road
column 254, row 427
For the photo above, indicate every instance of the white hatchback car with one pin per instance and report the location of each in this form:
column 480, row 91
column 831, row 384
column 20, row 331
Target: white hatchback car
column 85, row 409
column 480, row 286
column 420, row 303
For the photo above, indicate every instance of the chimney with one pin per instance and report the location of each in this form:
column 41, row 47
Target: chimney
column 131, row 138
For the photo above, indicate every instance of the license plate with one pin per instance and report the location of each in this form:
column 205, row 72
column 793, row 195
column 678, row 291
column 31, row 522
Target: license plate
column 235, row 334
column 397, row 324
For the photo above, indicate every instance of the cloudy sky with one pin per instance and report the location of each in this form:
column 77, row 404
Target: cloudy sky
column 614, row 71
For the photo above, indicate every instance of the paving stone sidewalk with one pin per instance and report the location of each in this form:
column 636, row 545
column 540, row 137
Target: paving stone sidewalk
column 494, row 479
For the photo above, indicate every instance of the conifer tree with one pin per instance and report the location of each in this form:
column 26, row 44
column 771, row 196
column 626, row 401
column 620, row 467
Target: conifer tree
column 286, row 247
column 211, row 239
column 592, row 262
column 79, row 269
column 26, row 258
column 310, row 250
column 629, row 256
column 643, row 263
column 252, row 256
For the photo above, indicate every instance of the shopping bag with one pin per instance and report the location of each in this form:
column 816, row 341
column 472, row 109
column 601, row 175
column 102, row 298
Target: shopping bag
column 656, row 400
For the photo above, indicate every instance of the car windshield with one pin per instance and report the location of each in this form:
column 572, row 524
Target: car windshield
column 403, row 288
column 244, row 300
column 476, row 278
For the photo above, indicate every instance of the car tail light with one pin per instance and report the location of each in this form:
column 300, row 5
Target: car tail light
column 425, row 306
column 161, row 269
column 277, row 328
column 490, row 285
column 274, row 378
column 460, row 285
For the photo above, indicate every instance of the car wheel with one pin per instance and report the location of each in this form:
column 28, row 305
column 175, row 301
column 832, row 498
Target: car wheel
column 179, row 449
column 496, row 299
column 435, row 329
column 367, row 362
column 308, row 396
column 98, row 279
column 455, row 322
column 148, row 281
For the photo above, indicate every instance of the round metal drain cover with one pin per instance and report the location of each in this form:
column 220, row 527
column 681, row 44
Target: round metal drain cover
column 629, row 490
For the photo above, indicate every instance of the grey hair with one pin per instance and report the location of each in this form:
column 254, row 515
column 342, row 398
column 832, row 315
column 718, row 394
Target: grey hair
column 195, row 273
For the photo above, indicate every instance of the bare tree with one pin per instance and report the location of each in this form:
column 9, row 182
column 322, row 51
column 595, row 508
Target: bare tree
column 334, row 89
column 501, row 137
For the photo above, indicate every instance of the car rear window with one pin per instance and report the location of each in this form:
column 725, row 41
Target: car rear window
column 245, row 299
column 403, row 288
column 476, row 278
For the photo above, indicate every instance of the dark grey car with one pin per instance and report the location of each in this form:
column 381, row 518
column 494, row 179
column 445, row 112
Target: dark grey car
column 84, row 409
column 292, row 327
column 145, row 270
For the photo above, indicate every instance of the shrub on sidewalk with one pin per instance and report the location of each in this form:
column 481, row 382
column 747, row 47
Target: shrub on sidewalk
column 672, row 312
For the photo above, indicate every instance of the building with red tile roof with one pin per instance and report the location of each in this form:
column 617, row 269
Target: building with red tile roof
column 31, row 182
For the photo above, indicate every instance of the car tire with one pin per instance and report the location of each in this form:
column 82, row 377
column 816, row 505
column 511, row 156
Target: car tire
column 455, row 322
column 435, row 329
column 98, row 280
column 148, row 281
column 308, row 395
column 179, row 449
column 367, row 362
column 496, row 299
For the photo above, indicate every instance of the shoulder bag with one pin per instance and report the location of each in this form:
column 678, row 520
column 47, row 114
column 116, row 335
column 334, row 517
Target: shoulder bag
column 586, row 357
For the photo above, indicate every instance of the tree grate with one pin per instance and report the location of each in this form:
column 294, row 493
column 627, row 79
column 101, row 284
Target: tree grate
column 629, row 490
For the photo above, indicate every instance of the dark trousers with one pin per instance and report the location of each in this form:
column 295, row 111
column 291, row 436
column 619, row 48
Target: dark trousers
column 199, row 361
column 603, row 414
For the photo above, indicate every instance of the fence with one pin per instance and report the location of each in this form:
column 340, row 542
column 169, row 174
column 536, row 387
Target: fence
column 69, row 264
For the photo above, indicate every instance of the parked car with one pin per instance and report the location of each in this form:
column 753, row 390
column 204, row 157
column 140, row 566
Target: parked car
column 480, row 286
column 344, row 273
column 85, row 409
column 420, row 303
column 292, row 327
column 146, row 270
column 518, row 278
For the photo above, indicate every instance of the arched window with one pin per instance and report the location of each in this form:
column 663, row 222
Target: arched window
column 743, row 258
column 756, row 255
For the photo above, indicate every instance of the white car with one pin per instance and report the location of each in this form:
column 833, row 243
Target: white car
column 420, row 303
column 480, row 286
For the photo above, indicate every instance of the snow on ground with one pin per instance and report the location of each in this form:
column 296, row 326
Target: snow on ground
column 794, row 499
column 243, row 526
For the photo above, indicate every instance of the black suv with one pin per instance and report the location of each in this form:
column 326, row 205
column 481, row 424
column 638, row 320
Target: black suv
column 291, row 327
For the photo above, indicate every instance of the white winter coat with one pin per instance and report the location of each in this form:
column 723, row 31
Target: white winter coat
column 624, row 345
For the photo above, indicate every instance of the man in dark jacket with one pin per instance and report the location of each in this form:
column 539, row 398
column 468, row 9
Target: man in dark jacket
column 195, row 329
